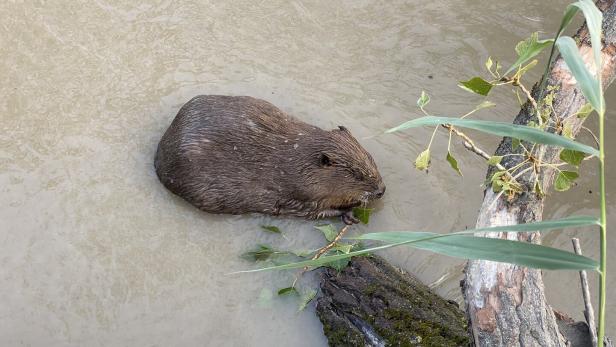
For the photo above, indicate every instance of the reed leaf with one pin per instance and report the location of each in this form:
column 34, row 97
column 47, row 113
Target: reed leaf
column 561, row 261
column 501, row 129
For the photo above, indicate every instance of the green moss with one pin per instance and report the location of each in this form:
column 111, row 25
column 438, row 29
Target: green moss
column 404, row 313
column 371, row 289
column 339, row 336
column 407, row 330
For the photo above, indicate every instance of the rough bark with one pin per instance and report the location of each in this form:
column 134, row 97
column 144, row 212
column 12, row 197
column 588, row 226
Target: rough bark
column 506, row 304
column 371, row 303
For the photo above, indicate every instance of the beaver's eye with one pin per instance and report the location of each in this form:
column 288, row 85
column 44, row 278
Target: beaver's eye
column 324, row 160
column 358, row 175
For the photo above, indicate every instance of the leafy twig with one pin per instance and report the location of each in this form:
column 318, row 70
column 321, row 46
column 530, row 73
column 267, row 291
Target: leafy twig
column 331, row 244
column 470, row 145
column 322, row 251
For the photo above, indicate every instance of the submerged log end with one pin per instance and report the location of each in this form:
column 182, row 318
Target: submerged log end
column 372, row 303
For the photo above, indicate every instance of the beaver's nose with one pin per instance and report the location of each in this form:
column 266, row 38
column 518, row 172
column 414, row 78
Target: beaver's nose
column 379, row 193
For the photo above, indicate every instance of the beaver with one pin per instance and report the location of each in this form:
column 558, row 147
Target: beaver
column 239, row 154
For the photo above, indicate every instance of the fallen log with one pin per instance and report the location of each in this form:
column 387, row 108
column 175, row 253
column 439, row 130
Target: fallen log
column 371, row 303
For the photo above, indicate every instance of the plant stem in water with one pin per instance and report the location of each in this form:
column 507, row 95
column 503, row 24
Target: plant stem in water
column 603, row 243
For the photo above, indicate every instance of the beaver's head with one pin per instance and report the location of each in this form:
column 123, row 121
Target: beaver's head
column 340, row 173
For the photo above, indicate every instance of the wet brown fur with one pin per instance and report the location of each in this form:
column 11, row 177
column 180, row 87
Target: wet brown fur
column 237, row 155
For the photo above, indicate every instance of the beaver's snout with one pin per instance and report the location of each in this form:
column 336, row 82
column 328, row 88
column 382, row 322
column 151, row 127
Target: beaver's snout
column 377, row 193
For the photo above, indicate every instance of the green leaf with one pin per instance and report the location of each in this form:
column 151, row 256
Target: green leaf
column 539, row 190
column 306, row 299
column 343, row 248
column 584, row 111
column 481, row 106
column 489, row 64
column 564, row 180
column 543, row 226
column 302, row 253
column 497, row 175
column 571, row 157
column 570, row 12
column 527, row 67
column 515, row 143
column 476, row 85
column 423, row 100
column 339, row 265
column 497, row 186
column 499, row 183
column 320, row 261
column 568, row 130
column 271, row 229
column 495, row 160
column 261, row 253
column 528, row 49
column 573, row 221
column 588, row 84
column 501, row 129
column 363, row 214
column 484, row 104
column 521, row 71
column 288, row 291
column 594, row 18
column 329, row 231
column 494, row 249
column 454, row 163
column 423, row 160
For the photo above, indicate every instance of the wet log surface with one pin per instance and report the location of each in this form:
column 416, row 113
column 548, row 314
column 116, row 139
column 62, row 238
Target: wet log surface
column 371, row 303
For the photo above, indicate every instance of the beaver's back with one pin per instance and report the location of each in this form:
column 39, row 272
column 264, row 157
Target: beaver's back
column 221, row 152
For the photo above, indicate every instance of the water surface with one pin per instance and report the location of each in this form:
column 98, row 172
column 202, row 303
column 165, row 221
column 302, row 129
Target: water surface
column 94, row 251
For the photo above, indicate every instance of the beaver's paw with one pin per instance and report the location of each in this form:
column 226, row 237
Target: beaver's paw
column 348, row 218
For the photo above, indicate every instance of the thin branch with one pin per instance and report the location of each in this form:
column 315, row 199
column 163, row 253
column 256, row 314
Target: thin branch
column 322, row 251
column 529, row 97
column 331, row 244
column 523, row 172
column 470, row 145
column 515, row 81
column 589, row 313
column 592, row 134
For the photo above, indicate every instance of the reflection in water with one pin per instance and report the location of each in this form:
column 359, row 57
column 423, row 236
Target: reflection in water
column 95, row 251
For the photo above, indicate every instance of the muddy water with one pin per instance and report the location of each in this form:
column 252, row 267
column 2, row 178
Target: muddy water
column 93, row 250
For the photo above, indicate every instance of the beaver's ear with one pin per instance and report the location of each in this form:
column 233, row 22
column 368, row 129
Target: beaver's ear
column 324, row 160
column 343, row 131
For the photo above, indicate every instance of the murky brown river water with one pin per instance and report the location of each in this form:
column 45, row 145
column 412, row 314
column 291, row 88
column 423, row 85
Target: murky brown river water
column 95, row 252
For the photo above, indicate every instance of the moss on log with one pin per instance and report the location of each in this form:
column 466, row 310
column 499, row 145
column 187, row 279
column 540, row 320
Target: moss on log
column 371, row 303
